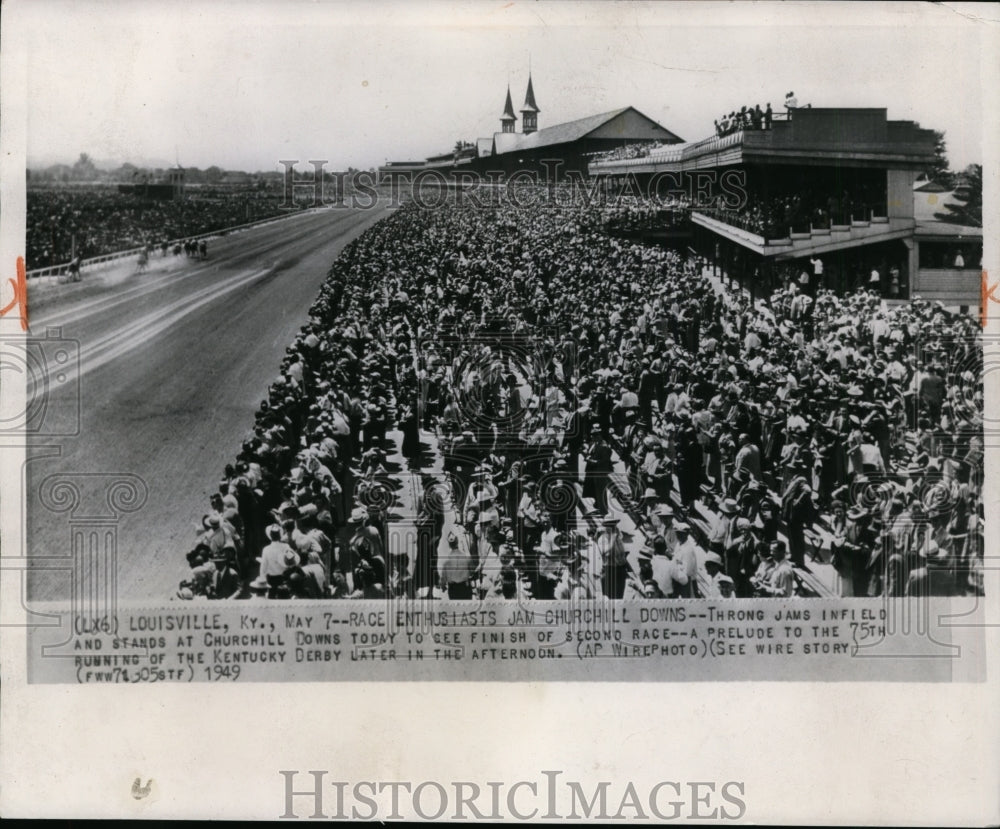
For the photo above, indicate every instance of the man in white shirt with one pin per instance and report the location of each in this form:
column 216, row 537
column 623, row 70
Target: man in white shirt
column 795, row 422
column 551, row 550
column 641, row 322
column 481, row 483
column 487, row 524
column 456, row 566
column 817, row 264
column 702, row 421
column 687, row 559
column 896, row 371
column 880, row 328
column 871, row 455
column 272, row 559
column 804, row 280
column 875, row 280
column 678, row 401
column 669, row 576
column 799, row 305
column 629, row 399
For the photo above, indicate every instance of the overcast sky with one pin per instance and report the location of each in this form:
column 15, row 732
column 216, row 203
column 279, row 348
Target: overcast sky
column 242, row 85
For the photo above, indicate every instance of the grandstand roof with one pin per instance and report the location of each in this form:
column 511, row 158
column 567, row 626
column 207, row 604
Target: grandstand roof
column 927, row 206
column 484, row 146
column 564, row 133
column 929, row 187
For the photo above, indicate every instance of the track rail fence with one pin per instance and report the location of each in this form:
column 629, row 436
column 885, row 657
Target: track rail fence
column 60, row 270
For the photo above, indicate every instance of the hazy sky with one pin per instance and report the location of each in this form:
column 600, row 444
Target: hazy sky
column 243, row 85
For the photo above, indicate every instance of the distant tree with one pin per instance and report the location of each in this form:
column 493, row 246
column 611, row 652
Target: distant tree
column 938, row 170
column 84, row 169
column 967, row 207
column 125, row 173
column 214, row 174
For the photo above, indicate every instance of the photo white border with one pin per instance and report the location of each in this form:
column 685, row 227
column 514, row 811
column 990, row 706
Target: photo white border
column 829, row 753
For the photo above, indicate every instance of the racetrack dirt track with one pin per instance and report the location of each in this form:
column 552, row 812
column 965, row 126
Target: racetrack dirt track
column 166, row 372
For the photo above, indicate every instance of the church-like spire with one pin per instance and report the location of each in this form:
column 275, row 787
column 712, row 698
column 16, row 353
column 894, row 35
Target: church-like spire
column 508, row 118
column 529, row 99
column 529, row 112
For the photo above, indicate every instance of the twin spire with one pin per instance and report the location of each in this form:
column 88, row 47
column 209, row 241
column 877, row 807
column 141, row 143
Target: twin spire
column 529, row 112
column 508, row 118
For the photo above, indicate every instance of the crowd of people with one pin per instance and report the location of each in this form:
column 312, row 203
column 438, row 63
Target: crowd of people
column 746, row 118
column 630, row 151
column 571, row 378
column 776, row 216
column 62, row 223
column 753, row 117
column 631, row 215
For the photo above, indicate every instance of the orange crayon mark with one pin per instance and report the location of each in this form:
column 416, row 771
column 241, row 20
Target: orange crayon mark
column 20, row 299
column 988, row 295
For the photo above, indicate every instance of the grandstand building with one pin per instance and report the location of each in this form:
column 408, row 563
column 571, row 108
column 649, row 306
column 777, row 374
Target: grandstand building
column 834, row 185
column 572, row 144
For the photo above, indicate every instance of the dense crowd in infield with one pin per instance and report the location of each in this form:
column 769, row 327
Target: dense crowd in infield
column 106, row 221
column 573, row 381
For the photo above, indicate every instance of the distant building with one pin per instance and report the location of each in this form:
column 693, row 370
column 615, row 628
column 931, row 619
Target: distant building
column 176, row 179
column 566, row 146
column 169, row 187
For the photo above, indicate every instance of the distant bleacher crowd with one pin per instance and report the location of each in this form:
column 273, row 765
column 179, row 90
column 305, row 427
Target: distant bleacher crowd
column 630, row 151
column 96, row 222
column 777, row 216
